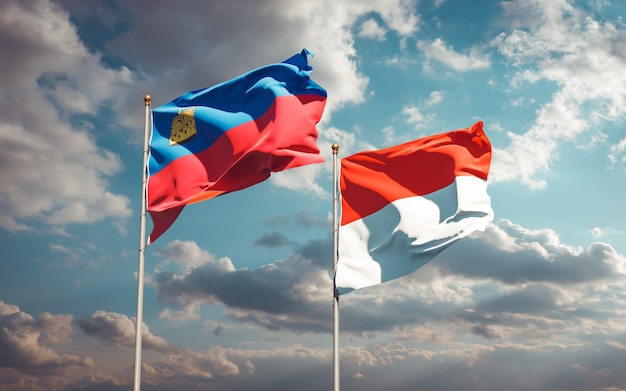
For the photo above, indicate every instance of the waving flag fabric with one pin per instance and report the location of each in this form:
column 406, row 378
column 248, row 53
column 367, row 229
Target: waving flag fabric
column 403, row 205
column 224, row 138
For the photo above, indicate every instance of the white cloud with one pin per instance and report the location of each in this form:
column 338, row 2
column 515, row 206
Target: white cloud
column 413, row 113
column 601, row 232
column 51, row 169
column 557, row 42
column 304, row 179
column 189, row 255
column 617, row 154
column 415, row 117
column 371, row 29
column 435, row 98
column 438, row 51
column 72, row 255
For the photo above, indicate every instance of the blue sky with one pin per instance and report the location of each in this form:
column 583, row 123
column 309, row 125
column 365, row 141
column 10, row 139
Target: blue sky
column 238, row 292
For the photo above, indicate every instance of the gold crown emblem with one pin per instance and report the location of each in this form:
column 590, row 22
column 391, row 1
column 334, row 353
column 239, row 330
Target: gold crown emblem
column 183, row 126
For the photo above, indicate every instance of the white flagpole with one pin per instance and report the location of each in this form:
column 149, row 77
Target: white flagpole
column 335, row 292
column 142, row 244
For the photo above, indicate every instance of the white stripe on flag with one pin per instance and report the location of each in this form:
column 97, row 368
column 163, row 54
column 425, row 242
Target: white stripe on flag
column 409, row 232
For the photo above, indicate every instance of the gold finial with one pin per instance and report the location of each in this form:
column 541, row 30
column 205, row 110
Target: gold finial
column 335, row 148
column 147, row 99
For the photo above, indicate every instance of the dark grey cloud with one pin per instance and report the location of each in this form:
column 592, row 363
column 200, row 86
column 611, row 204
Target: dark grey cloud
column 119, row 329
column 484, row 332
column 279, row 221
column 482, row 285
column 306, row 219
column 515, row 255
column 273, row 239
column 264, row 296
column 450, row 306
column 172, row 48
column 100, row 382
column 302, row 219
column 171, row 362
column 537, row 299
column 318, row 251
column 508, row 277
column 24, row 343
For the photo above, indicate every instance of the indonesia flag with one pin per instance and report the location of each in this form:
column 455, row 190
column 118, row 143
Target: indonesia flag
column 225, row 138
column 402, row 205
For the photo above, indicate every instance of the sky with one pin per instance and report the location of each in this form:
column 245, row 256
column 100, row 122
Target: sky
column 238, row 292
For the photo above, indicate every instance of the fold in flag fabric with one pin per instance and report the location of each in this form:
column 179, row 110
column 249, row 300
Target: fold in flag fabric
column 228, row 137
column 403, row 205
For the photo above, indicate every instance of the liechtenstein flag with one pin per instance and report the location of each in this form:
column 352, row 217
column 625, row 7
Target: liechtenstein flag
column 225, row 138
column 403, row 205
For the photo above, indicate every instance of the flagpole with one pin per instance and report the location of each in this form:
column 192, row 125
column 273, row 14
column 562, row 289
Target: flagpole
column 142, row 245
column 335, row 148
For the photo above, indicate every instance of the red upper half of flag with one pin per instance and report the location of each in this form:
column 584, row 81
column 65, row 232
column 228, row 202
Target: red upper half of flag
column 372, row 179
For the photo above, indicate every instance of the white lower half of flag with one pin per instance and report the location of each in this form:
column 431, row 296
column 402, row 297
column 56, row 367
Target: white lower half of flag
column 409, row 232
